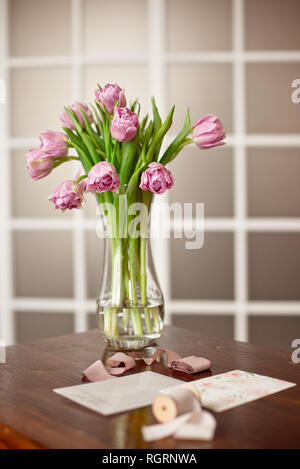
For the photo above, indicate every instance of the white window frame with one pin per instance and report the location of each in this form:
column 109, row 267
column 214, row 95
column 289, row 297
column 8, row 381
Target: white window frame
column 239, row 225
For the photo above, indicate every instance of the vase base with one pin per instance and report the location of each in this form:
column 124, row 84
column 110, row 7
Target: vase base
column 131, row 343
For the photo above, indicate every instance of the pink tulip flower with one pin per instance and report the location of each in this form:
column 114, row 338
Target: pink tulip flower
column 157, row 178
column 103, row 177
column 208, row 132
column 124, row 124
column 54, row 143
column 39, row 163
column 108, row 96
column 67, row 195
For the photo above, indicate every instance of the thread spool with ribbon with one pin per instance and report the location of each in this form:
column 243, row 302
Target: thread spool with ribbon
column 180, row 400
column 180, row 415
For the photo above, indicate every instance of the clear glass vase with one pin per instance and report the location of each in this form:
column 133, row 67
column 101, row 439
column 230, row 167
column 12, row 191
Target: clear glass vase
column 130, row 301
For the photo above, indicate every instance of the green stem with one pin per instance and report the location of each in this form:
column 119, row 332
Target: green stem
column 84, row 176
column 143, row 271
column 136, row 317
column 114, row 322
column 146, row 199
column 125, row 270
column 64, row 159
column 107, row 321
column 126, row 289
column 156, row 319
column 125, row 318
column 117, row 287
column 144, row 284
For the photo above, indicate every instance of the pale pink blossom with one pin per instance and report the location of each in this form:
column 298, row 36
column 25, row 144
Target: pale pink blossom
column 54, row 143
column 76, row 107
column 124, row 124
column 39, row 163
column 108, row 97
column 208, row 132
column 103, row 177
column 67, row 195
column 157, row 178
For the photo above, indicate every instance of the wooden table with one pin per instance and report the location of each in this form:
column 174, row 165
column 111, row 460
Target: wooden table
column 33, row 416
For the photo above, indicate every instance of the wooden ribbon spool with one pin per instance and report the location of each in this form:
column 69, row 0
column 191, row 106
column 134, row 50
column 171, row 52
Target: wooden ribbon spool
column 180, row 400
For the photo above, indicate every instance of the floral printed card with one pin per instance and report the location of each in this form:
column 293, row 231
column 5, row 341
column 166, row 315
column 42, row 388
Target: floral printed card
column 227, row 390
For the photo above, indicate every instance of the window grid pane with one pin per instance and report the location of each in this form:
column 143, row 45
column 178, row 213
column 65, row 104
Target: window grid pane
column 28, row 85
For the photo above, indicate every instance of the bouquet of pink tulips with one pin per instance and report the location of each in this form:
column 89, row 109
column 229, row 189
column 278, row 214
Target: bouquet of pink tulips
column 120, row 153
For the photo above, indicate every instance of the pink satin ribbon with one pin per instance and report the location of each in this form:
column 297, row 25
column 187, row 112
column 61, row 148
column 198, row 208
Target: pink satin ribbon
column 120, row 362
column 191, row 364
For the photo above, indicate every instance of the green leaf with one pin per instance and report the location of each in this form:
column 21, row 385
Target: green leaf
column 102, row 113
column 74, row 119
column 74, row 138
column 106, row 130
column 86, row 163
column 157, row 125
column 98, row 121
column 91, row 148
column 135, row 176
column 185, row 142
column 133, row 105
column 97, row 141
column 85, row 138
column 128, row 151
column 141, row 151
column 114, row 156
column 147, row 138
column 79, row 146
column 143, row 123
column 158, row 137
column 119, row 154
column 178, row 143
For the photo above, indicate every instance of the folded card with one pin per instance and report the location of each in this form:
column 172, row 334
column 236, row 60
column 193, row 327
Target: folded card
column 234, row 388
column 119, row 395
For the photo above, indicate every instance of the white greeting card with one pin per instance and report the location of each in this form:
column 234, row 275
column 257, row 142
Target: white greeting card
column 119, row 394
column 234, row 388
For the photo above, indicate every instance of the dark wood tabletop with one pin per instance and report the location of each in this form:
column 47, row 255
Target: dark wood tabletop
column 33, row 416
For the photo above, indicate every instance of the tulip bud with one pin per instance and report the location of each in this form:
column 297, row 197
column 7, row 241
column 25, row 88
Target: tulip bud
column 39, row 163
column 208, row 132
column 54, row 143
column 157, row 178
column 108, row 97
column 103, row 177
column 124, row 124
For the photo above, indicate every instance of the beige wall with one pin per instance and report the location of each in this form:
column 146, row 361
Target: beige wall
column 43, row 261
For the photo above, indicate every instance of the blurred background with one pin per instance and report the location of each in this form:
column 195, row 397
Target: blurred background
column 235, row 58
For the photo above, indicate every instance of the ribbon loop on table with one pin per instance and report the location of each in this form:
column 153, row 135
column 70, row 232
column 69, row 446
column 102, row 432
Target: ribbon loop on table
column 96, row 372
column 120, row 362
column 118, row 359
column 191, row 364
